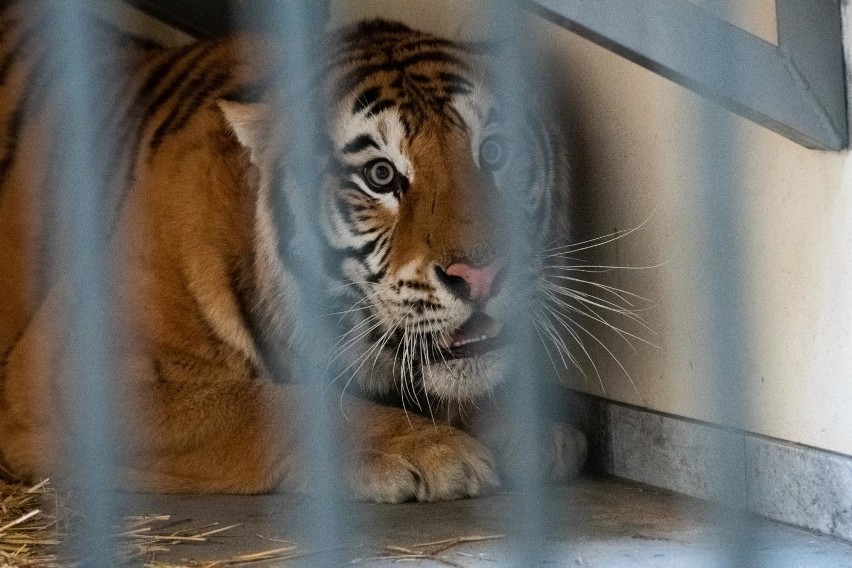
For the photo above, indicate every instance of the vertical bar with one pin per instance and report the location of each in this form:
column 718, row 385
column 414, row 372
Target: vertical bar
column 725, row 333
column 527, row 523
column 297, row 26
column 723, row 281
column 79, row 241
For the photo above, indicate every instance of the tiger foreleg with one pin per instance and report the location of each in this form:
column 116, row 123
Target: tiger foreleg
column 243, row 437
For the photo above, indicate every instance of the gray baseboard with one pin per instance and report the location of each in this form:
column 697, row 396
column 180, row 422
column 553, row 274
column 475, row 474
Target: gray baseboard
column 799, row 485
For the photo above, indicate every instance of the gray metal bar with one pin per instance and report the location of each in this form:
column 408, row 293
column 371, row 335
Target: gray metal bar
column 796, row 89
column 80, row 243
column 718, row 206
column 723, row 285
column 527, row 524
column 298, row 25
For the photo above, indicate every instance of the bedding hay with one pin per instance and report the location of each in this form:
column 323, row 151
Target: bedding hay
column 34, row 524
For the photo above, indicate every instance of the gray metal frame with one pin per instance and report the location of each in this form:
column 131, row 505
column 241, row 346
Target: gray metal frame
column 796, row 88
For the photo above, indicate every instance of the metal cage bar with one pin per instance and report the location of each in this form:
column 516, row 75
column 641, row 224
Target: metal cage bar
column 80, row 245
column 719, row 191
column 527, row 525
column 296, row 27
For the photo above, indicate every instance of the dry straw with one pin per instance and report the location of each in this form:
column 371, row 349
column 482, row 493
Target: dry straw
column 34, row 523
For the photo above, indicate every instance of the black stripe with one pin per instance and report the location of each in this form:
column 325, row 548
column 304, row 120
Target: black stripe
column 15, row 122
column 187, row 81
column 27, row 38
column 159, row 373
column 242, row 292
column 432, row 42
column 382, row 105
column 159, row 74
column 360, row 207
column 375, row 278
column 343, row 171
column 433, row 57
column 115, row 117
column 367, row 249
column 455, row 84
column 356, row 76
column 4, row 360
column 344, row 210
column 181, row 114
column 351, row 185
column 361, row 142
column 180, row 79
column 415, row 285
column 365, row 99
column 155, row 79
column 449, row 77
column 348, row 58
column 420, row 304
column 13, row 130
column 34, row 92
column 134, row 131
column 193, row 85
column 385, row 250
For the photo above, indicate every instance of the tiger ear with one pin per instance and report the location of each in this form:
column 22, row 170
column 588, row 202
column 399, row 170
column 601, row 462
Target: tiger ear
column 250, row 123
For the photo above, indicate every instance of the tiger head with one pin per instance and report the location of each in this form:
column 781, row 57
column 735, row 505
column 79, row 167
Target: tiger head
column 417, row 180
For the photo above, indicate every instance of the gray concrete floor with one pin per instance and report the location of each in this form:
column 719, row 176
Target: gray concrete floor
column 594, row 522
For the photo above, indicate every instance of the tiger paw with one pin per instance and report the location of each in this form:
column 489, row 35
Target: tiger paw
column 422, row 462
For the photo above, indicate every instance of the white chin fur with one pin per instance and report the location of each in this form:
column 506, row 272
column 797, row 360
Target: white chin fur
column 466, row 379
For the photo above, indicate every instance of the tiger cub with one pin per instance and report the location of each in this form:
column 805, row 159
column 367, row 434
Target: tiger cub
column 411, row 176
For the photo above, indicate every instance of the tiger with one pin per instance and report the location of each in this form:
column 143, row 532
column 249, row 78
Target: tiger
column 411, row 168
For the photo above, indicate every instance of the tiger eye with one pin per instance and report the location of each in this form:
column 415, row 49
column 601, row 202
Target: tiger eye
column 380, row 175
column 492, row 153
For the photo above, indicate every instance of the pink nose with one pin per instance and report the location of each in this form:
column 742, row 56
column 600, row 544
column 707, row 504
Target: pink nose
column 479, row 279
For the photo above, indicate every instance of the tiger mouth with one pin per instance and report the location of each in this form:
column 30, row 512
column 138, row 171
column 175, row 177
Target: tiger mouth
column 477, row 336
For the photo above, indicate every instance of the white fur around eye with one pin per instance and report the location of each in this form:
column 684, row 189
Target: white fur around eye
column 473, row 108
column 388, row 200
column 385, row 128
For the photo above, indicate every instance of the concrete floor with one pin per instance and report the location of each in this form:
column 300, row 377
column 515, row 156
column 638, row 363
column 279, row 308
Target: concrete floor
column 595, row 522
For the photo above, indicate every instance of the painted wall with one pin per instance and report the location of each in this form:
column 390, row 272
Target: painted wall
column 633, row 152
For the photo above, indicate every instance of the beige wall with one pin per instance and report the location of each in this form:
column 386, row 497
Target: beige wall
column 633, row 134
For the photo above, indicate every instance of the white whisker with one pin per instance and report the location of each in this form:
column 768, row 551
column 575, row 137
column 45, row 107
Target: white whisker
column 561, row 319
column 617, row 292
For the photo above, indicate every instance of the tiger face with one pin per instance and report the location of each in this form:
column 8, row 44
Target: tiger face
column 420, row 171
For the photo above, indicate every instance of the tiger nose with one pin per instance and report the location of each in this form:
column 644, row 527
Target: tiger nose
column 474, row 283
